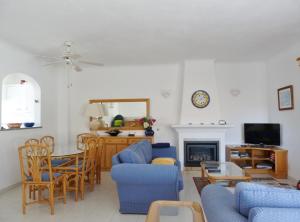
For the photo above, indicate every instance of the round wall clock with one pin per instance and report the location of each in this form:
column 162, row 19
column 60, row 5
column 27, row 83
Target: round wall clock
column 200, row 99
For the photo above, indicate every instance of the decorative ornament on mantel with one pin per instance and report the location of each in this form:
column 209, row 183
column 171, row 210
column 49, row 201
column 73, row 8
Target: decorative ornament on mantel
column 147, row 123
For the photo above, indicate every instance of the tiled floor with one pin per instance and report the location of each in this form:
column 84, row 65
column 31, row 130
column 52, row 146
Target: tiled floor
column 100, row 205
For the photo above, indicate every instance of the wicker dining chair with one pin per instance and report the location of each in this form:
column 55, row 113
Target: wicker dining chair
column 81, row 140
column 32, row 142
column 36, row 172
column 48, row 141
column 82, row 169
column 153, row 214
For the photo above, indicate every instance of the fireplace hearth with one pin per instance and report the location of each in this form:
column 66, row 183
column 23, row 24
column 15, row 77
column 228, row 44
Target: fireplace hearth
column 197, row 151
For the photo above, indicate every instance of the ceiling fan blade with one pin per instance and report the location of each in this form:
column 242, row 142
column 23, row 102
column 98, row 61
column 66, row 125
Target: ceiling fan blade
column 53, row 63
column 48, row 57
column 91, row 63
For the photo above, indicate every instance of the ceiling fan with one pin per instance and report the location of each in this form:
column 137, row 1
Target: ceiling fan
column 69, row 58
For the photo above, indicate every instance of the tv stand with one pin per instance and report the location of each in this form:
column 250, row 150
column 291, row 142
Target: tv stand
column 252, row 159
column 258, row 145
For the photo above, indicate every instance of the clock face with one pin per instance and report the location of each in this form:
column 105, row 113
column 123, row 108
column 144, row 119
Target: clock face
column 200, row 99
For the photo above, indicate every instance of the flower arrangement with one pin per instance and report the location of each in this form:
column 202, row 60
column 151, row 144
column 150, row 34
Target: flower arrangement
column 147, row 122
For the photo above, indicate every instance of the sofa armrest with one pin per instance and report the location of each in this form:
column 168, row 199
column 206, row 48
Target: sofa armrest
column 140, row 174
column 265, row 214
column 164, row 152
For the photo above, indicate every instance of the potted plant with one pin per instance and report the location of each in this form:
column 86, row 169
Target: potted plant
column 147, row 123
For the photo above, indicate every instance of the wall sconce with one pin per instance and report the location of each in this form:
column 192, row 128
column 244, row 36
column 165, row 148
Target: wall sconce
column 298, row 61
column 235, row 92
column 166, row 93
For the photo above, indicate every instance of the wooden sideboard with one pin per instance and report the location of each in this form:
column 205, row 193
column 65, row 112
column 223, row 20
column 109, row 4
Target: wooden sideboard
column 113, row 145
column 278, row 157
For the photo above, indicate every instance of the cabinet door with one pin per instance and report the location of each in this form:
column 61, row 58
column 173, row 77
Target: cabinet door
column 121, row 147
column 110, row 150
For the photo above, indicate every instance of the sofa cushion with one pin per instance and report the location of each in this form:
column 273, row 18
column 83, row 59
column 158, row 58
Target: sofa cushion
column 144, row 149
column 250, row 195
column 129, row 156
column 164, row 161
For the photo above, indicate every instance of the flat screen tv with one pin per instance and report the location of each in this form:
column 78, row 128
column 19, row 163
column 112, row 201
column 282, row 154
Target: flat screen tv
column 262, row 133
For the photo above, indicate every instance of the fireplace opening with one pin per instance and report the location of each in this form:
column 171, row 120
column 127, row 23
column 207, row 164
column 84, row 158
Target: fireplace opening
column 197, row 151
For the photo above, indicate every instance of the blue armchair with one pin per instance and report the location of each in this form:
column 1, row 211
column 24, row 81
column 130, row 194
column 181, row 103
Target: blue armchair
column 139, row 183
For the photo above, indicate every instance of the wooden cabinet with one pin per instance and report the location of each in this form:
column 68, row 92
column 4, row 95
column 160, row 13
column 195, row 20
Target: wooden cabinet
column 252, row 157
column 113, row 145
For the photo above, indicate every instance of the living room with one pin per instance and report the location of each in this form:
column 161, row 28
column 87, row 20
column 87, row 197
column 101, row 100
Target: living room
column 240, row 53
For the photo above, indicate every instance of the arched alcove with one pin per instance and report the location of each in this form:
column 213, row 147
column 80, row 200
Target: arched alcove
column 21, row 100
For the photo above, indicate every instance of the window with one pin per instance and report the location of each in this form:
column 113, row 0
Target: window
column 21, row 97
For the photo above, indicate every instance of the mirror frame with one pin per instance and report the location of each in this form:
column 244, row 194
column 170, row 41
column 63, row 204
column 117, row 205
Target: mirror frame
column 140, row 127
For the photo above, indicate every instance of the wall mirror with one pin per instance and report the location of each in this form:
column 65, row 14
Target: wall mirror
column 121, row 113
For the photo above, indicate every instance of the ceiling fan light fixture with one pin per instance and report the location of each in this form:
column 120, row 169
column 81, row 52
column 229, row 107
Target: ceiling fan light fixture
column 298, row 61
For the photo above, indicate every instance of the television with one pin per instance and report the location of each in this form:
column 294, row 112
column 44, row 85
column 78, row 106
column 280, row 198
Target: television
column 262, row 133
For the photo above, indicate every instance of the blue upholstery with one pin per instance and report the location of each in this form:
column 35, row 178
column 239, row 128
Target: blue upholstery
column 219, row 205
column 140, row 184
column 164, row 152
column 265, row 214
column 249, row 195
column 250, row 202
column 129, row 156
column 45, row 176
column 57, row 162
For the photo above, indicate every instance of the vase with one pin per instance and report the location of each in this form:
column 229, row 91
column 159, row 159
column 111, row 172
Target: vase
column 149, row 131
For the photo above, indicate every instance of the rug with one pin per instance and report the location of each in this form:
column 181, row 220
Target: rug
column 200, row 183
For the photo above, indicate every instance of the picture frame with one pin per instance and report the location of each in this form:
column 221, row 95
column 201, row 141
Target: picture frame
column 286, row 98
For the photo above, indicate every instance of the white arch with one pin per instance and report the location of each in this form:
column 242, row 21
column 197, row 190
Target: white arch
column 21, row 100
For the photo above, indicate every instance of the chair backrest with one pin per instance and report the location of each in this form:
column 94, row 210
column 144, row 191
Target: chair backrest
column 90, row 154
column 48, row 141
column 82, row 138
column 153, row 214
column 34, row 161
column 32, row 142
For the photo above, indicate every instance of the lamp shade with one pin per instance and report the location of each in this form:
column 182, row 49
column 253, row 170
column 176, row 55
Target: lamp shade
column 95, row 110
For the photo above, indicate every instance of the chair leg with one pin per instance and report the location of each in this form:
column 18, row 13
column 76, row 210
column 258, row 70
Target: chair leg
column 92, row 180
column 82, row 187
column 30, row 190
column 65, row 189
column 98, row 174
column 76, row 187
column 51, row 198
column 24, row 198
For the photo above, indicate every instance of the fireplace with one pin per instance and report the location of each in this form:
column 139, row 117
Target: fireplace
column 197, row 151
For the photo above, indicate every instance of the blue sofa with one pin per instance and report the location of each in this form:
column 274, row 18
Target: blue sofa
column 250, row 202
column 139, row 183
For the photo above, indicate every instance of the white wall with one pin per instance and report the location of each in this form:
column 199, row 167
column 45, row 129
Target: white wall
column 14, row 60
column 282, row 71
column 149, row 81
column 199, row 74
column 251, row 105
column 128, row 82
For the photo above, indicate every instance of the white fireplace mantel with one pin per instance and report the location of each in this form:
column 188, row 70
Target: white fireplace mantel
column 201, row 132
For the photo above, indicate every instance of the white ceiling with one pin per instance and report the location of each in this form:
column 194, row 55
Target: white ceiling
column 149, row 31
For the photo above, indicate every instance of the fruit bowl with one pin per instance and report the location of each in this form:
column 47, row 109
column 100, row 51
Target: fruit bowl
column 114, row 132
column 14, row 125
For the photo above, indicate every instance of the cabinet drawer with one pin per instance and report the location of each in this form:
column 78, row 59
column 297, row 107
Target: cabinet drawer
column 136, row 140
column 116, row 140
